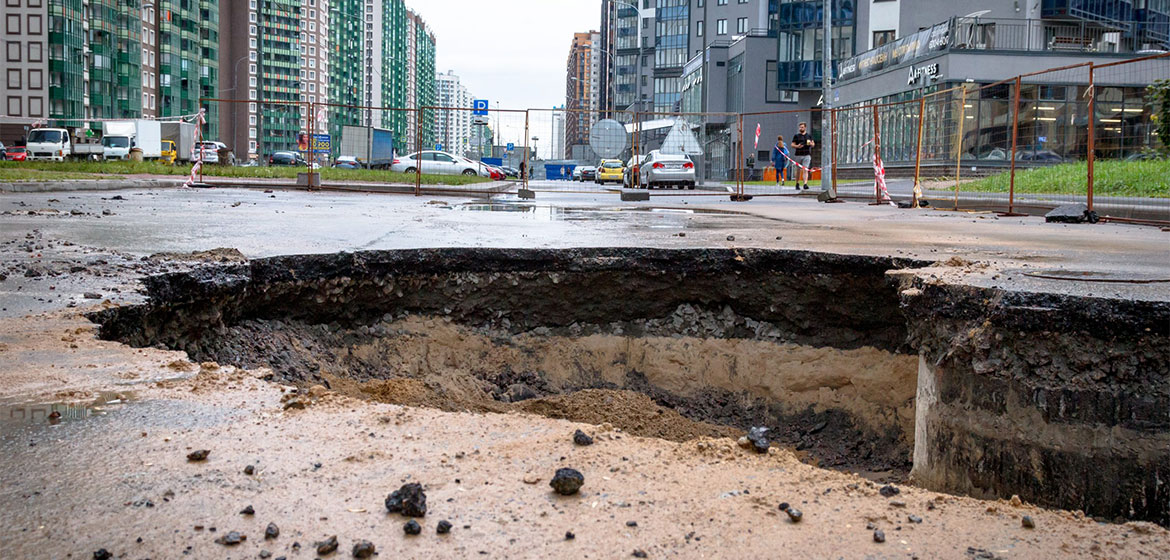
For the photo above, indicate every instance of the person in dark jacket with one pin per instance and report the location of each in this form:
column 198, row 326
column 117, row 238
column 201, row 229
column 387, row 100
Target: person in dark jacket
column 803, row 145
column 780, row 160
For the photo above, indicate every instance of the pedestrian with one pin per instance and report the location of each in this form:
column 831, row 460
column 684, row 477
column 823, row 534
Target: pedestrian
column 565, row 172
column 803, row 144
column 780, row 159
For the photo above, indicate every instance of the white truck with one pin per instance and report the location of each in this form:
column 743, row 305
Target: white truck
column 48, row 144
column 118, row 137
column 183, row 135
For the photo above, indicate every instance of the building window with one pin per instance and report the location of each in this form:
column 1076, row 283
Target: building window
column 35, row 107
column 699, row 25
column 882, row 37
column 152, row 99
column 13, row 51
column 721, row 27
column 13, row 79
column 14, row 106
column 36, row 79
column 721, row 3
column 34, row 24
column 741, row 25
column 13, row 24
column 35, row 53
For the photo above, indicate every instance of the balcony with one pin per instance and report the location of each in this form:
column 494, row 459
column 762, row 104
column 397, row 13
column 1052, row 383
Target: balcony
column 1044, row 35
column 1088, row 10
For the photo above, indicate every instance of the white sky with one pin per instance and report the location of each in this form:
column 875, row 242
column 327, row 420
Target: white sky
column 512, row 52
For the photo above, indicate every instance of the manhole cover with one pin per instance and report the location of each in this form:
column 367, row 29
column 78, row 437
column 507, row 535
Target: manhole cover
column 607, row 138
column 1096, row 276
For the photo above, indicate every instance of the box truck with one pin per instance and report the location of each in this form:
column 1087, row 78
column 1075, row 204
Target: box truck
column 119, row 137
column 373, row 147
column 183, row 135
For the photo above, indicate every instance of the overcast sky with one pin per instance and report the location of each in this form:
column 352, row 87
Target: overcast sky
column 511, row 51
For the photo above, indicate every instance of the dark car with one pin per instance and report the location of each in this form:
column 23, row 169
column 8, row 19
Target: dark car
column 588, row 174
column 287, row 158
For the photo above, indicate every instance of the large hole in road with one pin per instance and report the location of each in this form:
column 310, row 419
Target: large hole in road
column 661, row 343
column 860, row 363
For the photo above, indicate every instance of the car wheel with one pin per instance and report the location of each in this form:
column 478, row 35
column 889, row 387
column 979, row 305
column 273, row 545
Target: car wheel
column 691, row 186
column 469, row 172
column 411, row 170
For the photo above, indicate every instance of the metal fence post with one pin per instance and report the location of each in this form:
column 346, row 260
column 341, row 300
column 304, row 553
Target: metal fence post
column 833, row 147
column 877, row 147
column 526, row 165
column 417, row 151
column 959, row 142
column 1015, row 140
column 918, row 157
column 1092, row 156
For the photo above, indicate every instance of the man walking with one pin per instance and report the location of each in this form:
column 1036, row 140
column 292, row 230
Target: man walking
column 803, row 144
column 780, row 159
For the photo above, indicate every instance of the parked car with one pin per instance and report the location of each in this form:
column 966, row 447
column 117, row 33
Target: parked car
column 438, row 163
column 576, row 174
column 630, row 173
column 16, row 153
column 495, row 173
column 287, row 158
column 214, row 153
column 3, row 152
column 610, row 170
column 588, row 173
column 169, row 153
column 663, row 170
column 511, row 172
column 347, row 162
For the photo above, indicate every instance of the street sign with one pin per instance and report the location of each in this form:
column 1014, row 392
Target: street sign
column 479, row 120
column 438, row 146
column 480, row 107
column 511, row 147
column 321, row 144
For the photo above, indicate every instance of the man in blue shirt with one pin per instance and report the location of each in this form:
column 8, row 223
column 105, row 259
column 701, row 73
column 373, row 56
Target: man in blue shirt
column 780, row 159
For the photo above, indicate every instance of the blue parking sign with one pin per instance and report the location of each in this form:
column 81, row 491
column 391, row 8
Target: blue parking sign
column 511, row 147
column 479, row 107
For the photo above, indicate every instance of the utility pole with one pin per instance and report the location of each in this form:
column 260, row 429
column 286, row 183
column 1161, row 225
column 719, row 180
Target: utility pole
column 827, row 101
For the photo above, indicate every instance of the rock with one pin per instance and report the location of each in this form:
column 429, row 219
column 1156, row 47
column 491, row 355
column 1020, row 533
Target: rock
column 412, row 527
column 363, row 549
column 743, row 442
column 443, row 527
column 784, row 506
column 581, row 438
column 631, row 523
column 92, row 295
column 409, row 500
column 640, row 554
column 879, row 535
column 102, row 554
column 296, row 403
column 265, row 554
column 231, row 539
column 569, row 536
column 898, row 503
column 914, row 518
column 795, row 515
column 1016, row 501
column 327, row 546
column 567, row 481
column 1071, row 214
column 520, row 392
column 1027, row 522
column 200, row 455
column 248, row 511
column 758, row 436
column 249, row 470
column 32, row 272
column 271, row 532
column 731, row 238
column 889, row 491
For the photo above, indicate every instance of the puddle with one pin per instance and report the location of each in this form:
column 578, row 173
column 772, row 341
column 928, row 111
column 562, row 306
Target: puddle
column 14, row 414
column 645, row 215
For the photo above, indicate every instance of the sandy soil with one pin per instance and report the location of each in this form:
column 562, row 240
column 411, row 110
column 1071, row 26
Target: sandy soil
column 118, row 477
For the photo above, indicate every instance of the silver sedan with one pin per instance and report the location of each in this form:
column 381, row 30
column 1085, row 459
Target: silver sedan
column 667, row 170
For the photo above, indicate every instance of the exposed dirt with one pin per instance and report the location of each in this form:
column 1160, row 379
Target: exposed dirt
column 326, row 469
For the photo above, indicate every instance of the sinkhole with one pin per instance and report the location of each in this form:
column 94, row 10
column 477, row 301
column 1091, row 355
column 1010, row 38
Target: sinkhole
column 859, row 363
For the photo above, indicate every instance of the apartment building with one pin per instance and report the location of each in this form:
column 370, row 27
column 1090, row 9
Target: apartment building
column 582, row 98
column 453, row 129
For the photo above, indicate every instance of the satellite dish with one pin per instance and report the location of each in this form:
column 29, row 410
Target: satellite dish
column 608, row 138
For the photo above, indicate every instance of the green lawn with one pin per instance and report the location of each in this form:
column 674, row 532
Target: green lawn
column 1150, row 179
column 17, row 171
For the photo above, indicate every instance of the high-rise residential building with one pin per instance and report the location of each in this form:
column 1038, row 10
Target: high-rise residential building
column 452, row 127
column 351, row 27
column 420, row 81
column 73, row 63
column 582, row 100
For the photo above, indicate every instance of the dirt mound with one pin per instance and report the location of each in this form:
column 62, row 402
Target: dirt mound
column 634, row 413
column 220, row 255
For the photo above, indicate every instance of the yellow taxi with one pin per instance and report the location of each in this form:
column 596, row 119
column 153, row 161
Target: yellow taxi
column 610, row 170
column 169, row 154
